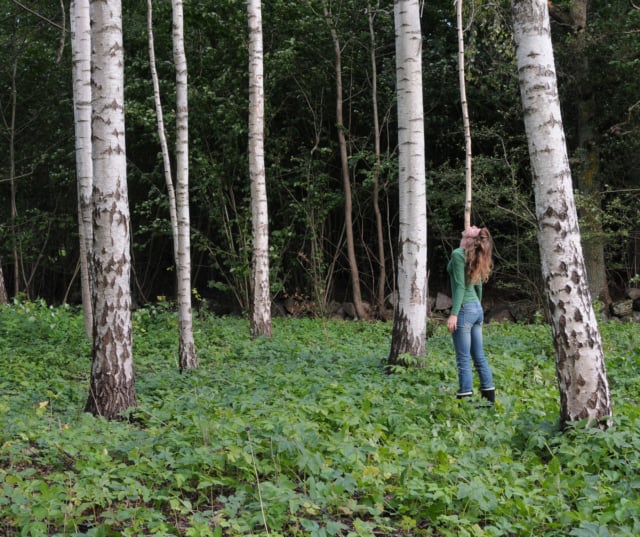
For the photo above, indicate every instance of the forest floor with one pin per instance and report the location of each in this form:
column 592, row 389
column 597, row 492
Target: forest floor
column 305, row 434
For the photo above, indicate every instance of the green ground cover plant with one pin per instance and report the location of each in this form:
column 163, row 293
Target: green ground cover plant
column 306, row 435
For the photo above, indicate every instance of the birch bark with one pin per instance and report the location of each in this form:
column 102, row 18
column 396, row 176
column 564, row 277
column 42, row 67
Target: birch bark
column 261, row 314
column 112, row 388
column 465, row 117
column 81, row 68
column 187, row 349
column 582, row 378
column 410, row 317
column 587, row 173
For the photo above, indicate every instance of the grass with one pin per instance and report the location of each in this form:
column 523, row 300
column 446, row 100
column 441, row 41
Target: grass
column 305, row 435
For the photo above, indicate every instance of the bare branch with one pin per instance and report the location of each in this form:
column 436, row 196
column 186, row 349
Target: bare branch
column 33, row 12
column 62, row 32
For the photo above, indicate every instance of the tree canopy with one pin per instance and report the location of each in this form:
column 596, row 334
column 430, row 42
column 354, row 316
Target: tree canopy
column 40, row 247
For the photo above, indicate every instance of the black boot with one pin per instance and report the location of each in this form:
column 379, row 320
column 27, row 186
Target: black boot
column 490, row 395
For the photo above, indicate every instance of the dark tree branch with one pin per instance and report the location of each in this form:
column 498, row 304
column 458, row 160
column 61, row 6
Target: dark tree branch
column 63, row 32
column 48, row 21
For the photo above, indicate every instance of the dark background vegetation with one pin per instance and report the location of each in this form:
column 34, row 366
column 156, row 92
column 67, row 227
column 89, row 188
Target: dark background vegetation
column 305, row 194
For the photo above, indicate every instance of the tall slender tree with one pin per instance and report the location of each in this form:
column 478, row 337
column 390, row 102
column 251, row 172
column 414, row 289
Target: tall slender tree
column 112, row 386
column 261, row 314
column 187, row 349
column 344, row 166
column 582, row 378
column 181, row 252
column 410, row 316
column 382, row 271
column 4, row 298
column 162, row 134
column 17, row 274
column 465, row 117
column 81, row 68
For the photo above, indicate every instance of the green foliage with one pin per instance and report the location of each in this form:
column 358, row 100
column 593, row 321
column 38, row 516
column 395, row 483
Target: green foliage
column 306, row 435
column 306, row 200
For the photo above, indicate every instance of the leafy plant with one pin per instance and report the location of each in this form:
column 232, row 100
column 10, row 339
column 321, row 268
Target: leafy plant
column 305, row 435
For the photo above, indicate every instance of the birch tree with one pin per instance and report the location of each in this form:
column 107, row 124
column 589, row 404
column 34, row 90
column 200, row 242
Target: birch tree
column 261, row 314
column 180, row 226
column 465, row 116
column 587, row 173
column 410, row 316
column 187, row 350
column 582, row 378
column 162, row 134
column 112, row 387
column 81, row 70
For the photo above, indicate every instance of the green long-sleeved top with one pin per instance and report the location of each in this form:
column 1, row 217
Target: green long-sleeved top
column 461, row 291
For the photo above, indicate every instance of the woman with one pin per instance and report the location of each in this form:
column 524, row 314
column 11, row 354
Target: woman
column 469, row 267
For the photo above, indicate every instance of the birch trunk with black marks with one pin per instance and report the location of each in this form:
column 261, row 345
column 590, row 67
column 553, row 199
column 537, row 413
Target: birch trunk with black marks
column 186, row 347
column 410, row 316
column 587, row 154
column 466, row 123
column 81, row 68
column 261, row 314
column 582, row 378
column 112, row 387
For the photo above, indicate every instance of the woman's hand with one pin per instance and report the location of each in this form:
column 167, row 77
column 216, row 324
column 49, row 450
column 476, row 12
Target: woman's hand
column 452, row 323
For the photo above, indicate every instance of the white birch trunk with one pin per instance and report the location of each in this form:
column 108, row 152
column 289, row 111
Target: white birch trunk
column 410, row 317
column 187, row 350
column 465, row 117
column 81, row 67
column 162, row 136
column 112, row 388
column 261, row 315
column 582, row 379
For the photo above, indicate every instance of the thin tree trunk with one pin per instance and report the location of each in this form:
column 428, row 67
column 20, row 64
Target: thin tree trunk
column 465, row 117
column 112, row 388
column 162, row 136
column 261, row 314
column 582, row 378
column 81, row 65
column 410, row 318
column 4, row 298
column 346, row 174
column 187, row 348
column 382, row 274
column 17, row 276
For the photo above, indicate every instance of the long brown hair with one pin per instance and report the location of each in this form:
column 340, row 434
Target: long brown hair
column 479, row 257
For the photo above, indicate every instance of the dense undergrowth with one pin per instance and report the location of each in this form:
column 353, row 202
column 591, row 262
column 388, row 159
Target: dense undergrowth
column 305, row 435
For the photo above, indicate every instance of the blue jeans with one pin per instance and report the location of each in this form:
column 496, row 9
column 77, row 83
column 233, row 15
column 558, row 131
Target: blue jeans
column 467, row 341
